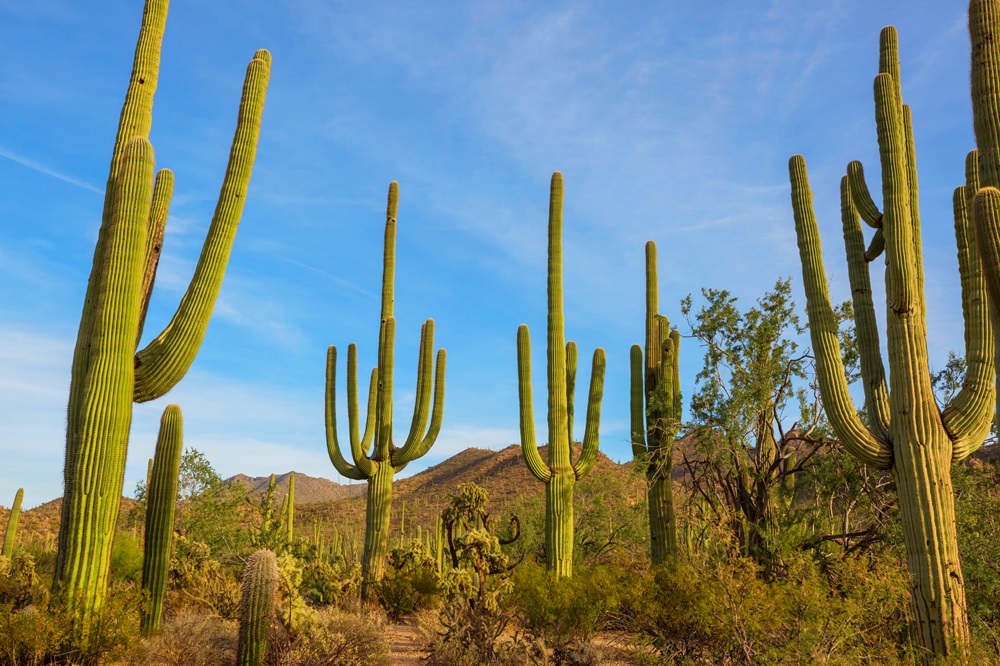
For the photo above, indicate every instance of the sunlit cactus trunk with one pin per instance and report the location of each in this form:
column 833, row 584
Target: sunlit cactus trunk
column 10, row 535
column 108, row 374
column 907, row 433
column 161, row 499
column 258, row 600
column 656, row 416
column 561, row 473
column 376, row 457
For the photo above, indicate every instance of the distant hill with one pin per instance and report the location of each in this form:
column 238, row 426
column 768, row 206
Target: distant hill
column 308, row 489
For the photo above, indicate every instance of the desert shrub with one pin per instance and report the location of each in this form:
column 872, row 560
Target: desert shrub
column 977, row 509
column 198, row 580
column 332, row 637
column 325, row 583
column 20, row 584
column 410, row 582
column 126, row 558
column 189, row 639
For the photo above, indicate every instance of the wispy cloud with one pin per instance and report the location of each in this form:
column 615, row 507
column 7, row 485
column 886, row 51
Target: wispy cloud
column 41, row 168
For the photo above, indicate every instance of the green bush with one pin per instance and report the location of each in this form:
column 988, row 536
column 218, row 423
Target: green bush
column 126, row 558
column 410, row 582
column 333, row 637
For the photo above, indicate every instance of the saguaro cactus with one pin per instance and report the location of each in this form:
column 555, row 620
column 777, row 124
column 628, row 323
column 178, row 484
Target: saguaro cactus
column 10, row 535
column 907, row 433
column 257, row 605
column 561, row 473
column 656, row 416
column 378, row 465
column 108, row 374
column 161, row 498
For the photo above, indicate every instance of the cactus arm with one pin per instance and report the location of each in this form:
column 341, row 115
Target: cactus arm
column 823, row 331
column 389, row 251
column 987, row 219
column 967, row 417
column 167, row 358
column 637, row 403
column 383, row 421
column 332, row 445
column 10, row 535
column 422, row 399
column 360, row 445
column 438, row 415
column 911, row 162
column 872, row 367
column 861, row 196
column 876, row 247
column 529, row 445
column 571, row 362
column 163, row 191
column 984, row 25
column 559, row 444
column 366, row 439
column 675, row 371
column 588, row 455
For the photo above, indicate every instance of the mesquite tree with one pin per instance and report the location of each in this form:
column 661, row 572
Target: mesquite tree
column 906, row 432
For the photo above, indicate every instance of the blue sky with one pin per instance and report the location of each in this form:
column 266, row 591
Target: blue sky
column 668, row 121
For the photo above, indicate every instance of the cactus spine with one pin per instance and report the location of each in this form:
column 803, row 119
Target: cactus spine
column 908, row 434
column 10, row 535
column 378, row 465
column 257, row 605
column 656, row 416
column 161, row 498
column 107, row 373
column 561, row 473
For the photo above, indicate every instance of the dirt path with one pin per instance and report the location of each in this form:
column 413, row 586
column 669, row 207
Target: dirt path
column 406, row 645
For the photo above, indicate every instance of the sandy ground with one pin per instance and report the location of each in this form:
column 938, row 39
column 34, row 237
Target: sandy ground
column 406, row 644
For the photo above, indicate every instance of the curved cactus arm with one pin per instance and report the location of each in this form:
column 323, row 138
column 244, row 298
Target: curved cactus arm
column 163, row 192
column 591, row 435
column 637, row 403
column 967, row 418
column 823, row 331
column 438, row 415
column 529, row 446
column 866, row 326
column 861, row 196
column 572, row 355
column 876, row 247
column 332, row 445
column 366, row 439
column 422, row 399
column 359, row 447
column 167, row 358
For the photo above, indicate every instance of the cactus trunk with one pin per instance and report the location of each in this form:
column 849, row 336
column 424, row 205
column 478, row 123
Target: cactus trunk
column 257, row 606
column 161, row 499
column 561, row 473
column 377, row 513
column 10, row 535
column 107, row 372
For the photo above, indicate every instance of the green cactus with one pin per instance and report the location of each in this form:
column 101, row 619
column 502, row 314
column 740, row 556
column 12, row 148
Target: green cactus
column 984, row 25
column 10, row 535
column 380, row 464
column 107, row 373
column 257, row 607
column 656, row 416
column 908, row 434
column 561, row 473
column 161, row 498
column 290, row 511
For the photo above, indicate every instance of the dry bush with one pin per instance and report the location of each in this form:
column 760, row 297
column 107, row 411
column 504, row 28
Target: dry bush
column 189, row 639
column 332, row 637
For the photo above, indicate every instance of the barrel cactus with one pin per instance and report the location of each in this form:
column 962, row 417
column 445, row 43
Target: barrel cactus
column 561, row 473
column 257, row 607
column 906, row 432
column 379, row 465
column 161, row 498
column 108, row 374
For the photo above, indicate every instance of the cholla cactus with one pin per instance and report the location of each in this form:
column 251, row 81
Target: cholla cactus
column 561, row 473
column 257, row 607
column 907, row 433
column 379, row 465
column 108, row 374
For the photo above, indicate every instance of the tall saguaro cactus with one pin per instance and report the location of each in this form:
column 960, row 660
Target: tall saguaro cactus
column 10, row 535
column 561, row 473
column 161, row 498
column 379, row 464
column 907, row 434
column 108, row 374
column 656, row 416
